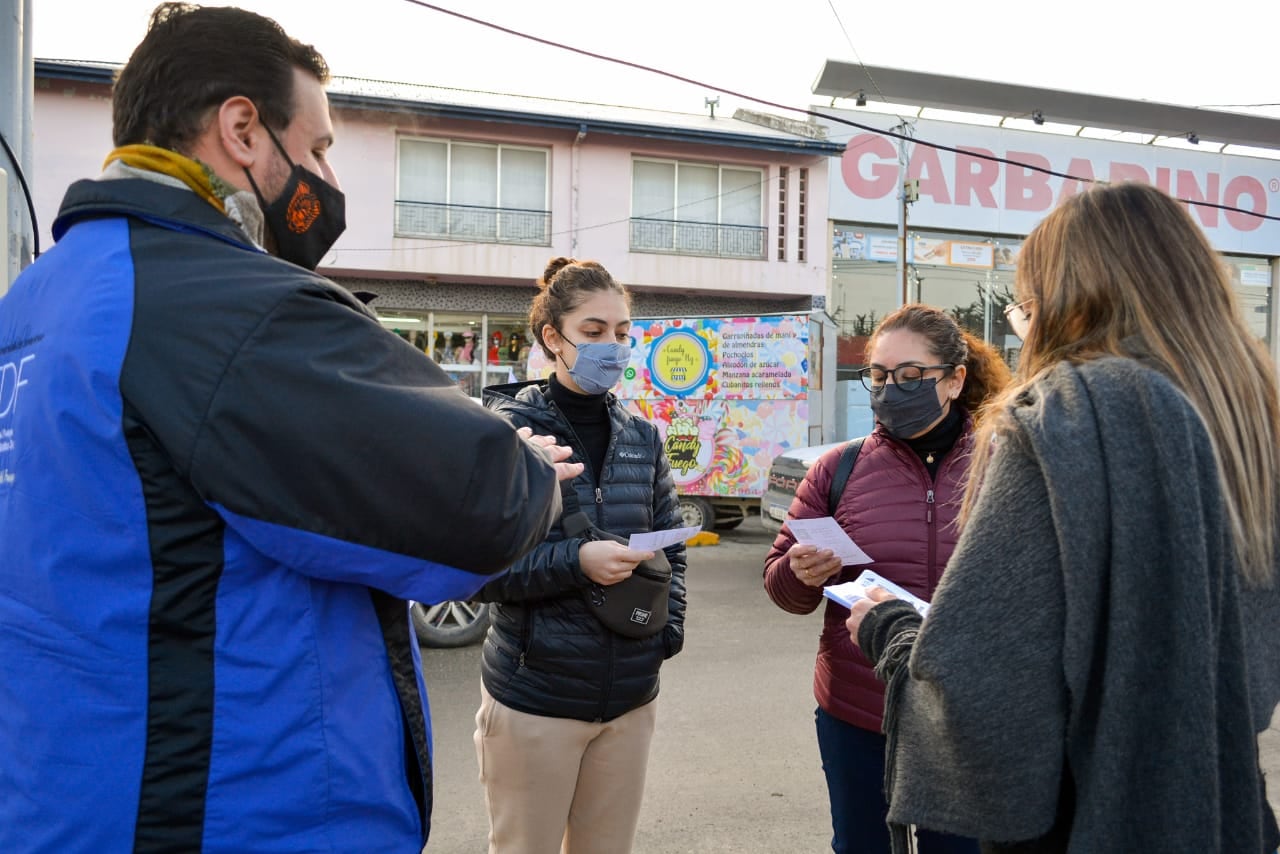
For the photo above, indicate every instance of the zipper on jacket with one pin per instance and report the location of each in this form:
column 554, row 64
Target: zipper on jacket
column 528, row 636
column 933, row 538
column 580, row 448
column 608, row 460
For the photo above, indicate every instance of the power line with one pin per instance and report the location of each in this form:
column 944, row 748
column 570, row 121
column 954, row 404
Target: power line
column 444, row 243
column 1224, row 106
column 733, row 93
column 766, row 181
column 858, row 57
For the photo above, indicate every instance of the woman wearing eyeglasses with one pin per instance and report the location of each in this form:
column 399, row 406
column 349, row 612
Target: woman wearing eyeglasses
column 1105, row 645
column 927, row 378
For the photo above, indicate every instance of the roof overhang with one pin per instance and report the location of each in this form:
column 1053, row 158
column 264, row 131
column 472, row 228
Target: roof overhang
column 898, row 86
column 105, row 73
column 586, row 125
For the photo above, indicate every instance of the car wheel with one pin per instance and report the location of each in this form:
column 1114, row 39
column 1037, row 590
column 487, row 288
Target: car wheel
column 450, row 624
column 696, row 512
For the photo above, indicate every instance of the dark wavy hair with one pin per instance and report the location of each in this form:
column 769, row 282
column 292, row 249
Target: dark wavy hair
column 986, row 374
column 194, row 58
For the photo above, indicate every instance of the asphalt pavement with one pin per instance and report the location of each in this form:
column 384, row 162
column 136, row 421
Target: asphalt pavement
column 734, row 765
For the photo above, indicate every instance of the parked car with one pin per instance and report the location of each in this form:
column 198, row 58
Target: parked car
column 785, row 474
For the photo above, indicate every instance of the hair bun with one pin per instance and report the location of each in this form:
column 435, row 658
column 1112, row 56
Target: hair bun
column 555, row 265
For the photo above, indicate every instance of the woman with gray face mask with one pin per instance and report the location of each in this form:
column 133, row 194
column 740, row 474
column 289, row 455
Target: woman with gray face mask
column 928, row 379
column 568, row 705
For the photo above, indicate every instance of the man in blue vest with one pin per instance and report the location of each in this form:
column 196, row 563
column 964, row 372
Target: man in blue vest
column 220, row 481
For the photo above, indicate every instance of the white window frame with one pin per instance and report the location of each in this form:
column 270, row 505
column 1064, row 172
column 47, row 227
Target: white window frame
column 452, row 232
column 674, row 211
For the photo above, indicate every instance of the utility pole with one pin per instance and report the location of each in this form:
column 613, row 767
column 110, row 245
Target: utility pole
column 908, row 191
column 16, row 97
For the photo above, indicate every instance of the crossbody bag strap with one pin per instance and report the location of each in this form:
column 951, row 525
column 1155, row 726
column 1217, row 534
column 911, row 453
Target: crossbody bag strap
column 844, row 468
column 569, row 497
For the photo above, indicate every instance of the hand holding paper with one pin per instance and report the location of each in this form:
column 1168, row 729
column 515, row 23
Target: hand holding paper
column 825, row 533
column 654, row 540
column 851, row 591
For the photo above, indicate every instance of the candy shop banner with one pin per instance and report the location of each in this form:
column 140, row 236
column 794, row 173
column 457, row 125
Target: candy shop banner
column 743, row 358
column 726, row 394
column 725, row 447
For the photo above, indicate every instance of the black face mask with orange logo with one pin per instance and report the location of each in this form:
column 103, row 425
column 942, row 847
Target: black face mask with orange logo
column 308, row 216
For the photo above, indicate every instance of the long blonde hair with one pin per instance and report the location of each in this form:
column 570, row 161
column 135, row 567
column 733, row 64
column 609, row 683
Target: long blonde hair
column 1126, row 261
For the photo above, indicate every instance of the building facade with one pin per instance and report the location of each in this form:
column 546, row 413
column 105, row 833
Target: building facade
column 456, row 201
column 976, row 197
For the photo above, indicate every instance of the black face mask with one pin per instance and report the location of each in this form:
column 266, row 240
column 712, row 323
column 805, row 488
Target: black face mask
column 907, row 413
column 307, row 218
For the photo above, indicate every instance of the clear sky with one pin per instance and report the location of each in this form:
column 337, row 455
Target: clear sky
column 1195, row 55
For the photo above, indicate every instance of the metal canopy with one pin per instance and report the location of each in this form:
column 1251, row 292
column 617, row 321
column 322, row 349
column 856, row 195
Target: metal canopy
column 895, row 85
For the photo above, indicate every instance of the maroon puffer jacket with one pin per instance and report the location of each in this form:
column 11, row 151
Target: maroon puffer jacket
column 905, row 522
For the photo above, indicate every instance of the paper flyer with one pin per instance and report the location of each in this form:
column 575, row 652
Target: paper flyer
column 849, row 592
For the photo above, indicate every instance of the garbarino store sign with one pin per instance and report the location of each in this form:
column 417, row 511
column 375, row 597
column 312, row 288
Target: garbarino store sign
column 966, row 191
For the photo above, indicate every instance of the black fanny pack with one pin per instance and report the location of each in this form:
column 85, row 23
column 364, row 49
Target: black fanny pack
column 635, row 607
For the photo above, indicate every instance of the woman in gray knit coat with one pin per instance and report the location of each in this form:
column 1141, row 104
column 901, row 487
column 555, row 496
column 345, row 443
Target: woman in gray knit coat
column 1105, row 643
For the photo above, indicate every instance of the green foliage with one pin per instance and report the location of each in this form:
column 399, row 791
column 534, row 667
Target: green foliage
column 862, row 324
column 973, row 315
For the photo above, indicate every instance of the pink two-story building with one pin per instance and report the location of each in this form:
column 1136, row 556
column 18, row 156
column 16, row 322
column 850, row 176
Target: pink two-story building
column 456, row 201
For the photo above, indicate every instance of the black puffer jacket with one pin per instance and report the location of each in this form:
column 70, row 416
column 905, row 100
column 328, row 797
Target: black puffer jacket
column 545, row 654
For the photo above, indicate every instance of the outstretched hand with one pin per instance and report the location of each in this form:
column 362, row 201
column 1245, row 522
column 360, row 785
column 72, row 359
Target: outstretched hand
column 556, row 453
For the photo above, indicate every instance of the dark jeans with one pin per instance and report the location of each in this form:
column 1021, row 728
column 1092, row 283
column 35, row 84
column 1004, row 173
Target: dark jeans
column 853, row 760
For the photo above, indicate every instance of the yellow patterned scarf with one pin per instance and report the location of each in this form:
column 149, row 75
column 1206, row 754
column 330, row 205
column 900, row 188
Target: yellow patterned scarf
column 152, row 158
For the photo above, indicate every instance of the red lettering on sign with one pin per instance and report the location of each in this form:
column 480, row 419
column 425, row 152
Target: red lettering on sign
column 1026, row 189
column 869, row 167
column 883, row 175
column 1128, row 172
column 1237, row 187
column 976, row 177
column 1080, row 168
column 1189, row 189
column 926, row 167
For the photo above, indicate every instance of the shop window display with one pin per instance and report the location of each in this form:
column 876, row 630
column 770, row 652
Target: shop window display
column 461, row 354
column 969, row 275
column 475, row 350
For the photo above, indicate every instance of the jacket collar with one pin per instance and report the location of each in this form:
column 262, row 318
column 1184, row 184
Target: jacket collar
column 175, row 208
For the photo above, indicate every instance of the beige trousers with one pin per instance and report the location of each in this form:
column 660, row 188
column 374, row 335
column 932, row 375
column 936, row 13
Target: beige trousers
column 562, row 786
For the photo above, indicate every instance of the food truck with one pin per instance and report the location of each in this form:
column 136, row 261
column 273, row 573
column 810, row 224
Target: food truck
column 728, row 394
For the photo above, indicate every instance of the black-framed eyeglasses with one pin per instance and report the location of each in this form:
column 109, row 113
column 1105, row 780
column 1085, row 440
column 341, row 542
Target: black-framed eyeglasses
column 905, row 377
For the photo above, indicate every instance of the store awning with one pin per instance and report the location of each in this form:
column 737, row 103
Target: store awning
column 940, row 91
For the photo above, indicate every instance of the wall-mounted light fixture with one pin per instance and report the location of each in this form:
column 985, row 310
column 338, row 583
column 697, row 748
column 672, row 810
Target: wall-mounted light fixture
column 861, row 100
column 1193, row 138
column 1037, row 117
column 395, row 321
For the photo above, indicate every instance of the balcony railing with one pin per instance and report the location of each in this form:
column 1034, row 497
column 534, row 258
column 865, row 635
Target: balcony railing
column 473, row 223
column 698, row 238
